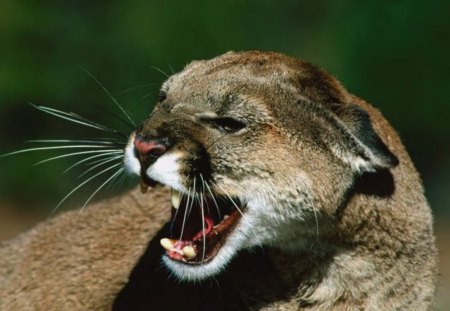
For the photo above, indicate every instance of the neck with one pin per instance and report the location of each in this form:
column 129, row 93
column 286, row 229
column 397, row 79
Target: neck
column 324, row 276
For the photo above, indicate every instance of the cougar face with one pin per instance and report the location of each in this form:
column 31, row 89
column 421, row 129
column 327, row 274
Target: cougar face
column 258, row 149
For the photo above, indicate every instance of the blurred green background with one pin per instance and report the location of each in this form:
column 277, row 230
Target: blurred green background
column 392, row 53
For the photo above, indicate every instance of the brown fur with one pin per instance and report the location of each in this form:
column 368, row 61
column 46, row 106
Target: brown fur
column 373, row 247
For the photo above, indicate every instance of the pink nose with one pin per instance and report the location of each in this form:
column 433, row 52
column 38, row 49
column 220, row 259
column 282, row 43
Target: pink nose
column 149, row 148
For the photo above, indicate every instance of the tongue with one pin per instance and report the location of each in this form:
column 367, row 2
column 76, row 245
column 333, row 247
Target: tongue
column 180, row 249
column 188, row 225
column 209, row 223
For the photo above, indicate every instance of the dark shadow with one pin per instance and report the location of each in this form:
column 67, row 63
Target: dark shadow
column 249, row 282
column 380, row 184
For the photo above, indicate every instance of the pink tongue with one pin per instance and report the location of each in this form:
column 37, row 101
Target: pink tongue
column 177, row 250
column 209, row 223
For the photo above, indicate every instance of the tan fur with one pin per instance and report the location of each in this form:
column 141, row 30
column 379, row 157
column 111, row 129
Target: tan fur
column 368, row 245
column 79, row 261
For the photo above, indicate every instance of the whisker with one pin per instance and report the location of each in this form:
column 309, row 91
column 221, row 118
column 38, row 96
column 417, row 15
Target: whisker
column 75, row 118
column 146, row 96
column 115, row 115
column 137, row 87
column 100, row 164
column 185, row 213
column 212, row 195
column 81, row 185
column 194, row 196
column 119, row 180
column 119, row 154
column 159, row 70
column 112, row 97
column 71, row 155
column 171, row 68
column 102, row 141
column 52, row 148
column 203, row 227
column 101, row 186
column 232, row 201
column 87, row 159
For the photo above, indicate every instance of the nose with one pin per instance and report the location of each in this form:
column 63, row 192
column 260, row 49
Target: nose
column 148, row 150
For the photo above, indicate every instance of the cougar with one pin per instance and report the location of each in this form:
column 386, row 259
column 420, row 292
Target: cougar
column 281, row 191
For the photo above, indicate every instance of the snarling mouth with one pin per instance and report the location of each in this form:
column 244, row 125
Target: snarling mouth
column 200, row 224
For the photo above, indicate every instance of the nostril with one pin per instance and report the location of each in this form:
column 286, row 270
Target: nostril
column 149, row 148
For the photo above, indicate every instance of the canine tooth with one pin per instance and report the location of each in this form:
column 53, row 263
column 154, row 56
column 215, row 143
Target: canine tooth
column 144, row 187
column 167, row 243
column 189, row 251
column 175, row 197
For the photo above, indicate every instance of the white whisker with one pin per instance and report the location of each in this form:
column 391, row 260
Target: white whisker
column 212, row 195
column 90, row 158
column 82, row 184
column 194, row 195
column 137, row 87
column 112, row 154
column 104, row 161
column 119, row 180
column 112, row 97
column 203, row 227
column 234, row 203
column 159, row 70
column 53, row 148
column 102, row 141
column 185, row 213
column 146, row 96
column 101, row 186
column 73, row 117
column 73, row 154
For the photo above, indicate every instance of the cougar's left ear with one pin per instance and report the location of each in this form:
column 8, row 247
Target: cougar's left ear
column 352, row 138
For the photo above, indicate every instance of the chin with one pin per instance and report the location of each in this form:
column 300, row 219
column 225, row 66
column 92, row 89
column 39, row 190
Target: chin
column 193, row 273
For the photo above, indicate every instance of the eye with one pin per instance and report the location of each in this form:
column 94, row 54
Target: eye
column 162, row 96
column 226, row 124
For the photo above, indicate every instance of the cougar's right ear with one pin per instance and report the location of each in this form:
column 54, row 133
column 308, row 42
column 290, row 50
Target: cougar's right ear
column 350, row 135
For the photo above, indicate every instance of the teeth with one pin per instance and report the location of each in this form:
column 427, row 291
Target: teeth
column 144, row 187
column 226, row 216
column 175, row 199
column 189, row 251
column 167, row 243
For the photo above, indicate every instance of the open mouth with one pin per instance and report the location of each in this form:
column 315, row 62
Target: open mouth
column 200, row 224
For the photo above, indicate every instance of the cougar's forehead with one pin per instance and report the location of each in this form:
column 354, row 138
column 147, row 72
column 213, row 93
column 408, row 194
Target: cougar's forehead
column 219, row 82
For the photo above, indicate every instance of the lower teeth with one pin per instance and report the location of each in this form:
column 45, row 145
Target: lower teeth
column 189, row 252
column 170, row 245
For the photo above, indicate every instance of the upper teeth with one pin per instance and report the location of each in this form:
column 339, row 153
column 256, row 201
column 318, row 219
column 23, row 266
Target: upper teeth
column 175, row 199
column 144, row 187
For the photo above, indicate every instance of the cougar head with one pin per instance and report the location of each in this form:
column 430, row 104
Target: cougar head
column 258, row 149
